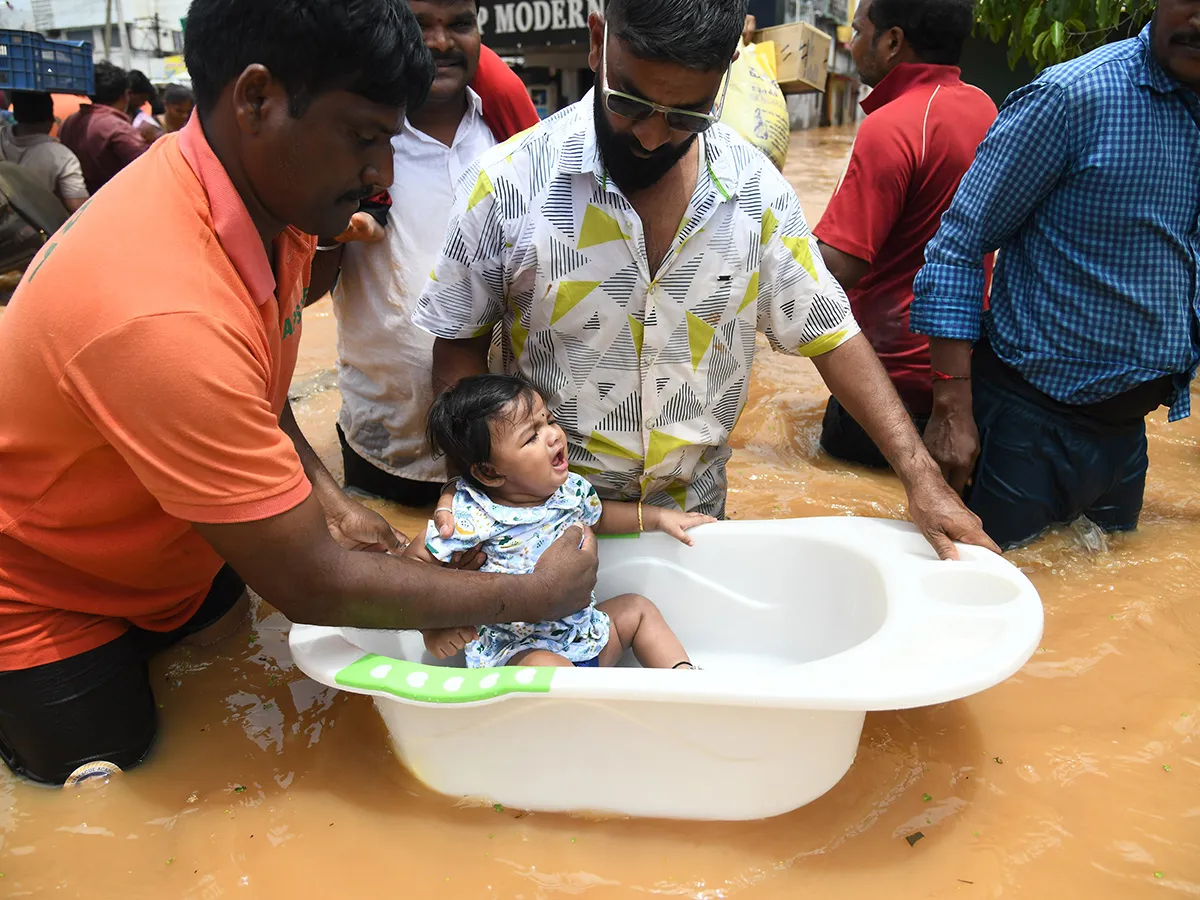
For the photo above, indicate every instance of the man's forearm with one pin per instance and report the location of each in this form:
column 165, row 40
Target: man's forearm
column 857, row 379
column 455, row 360
column 292, row 562
column 376, row 590
column 953, row 358
column 325, row 486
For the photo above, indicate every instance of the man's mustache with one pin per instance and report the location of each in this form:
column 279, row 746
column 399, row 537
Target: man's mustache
column 1187, row 39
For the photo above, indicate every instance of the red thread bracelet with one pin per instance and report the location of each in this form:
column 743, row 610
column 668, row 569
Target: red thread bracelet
column 942, row 376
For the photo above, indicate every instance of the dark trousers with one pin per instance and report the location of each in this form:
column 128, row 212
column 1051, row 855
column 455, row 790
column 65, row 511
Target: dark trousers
column 366, row 476
column 843, row 438
column 1039, row 468
column 97, row 705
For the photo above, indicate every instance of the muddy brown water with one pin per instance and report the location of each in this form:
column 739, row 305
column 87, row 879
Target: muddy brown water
column 1077, row 778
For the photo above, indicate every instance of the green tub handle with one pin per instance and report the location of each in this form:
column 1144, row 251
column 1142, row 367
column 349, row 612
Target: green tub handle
column 438, row 684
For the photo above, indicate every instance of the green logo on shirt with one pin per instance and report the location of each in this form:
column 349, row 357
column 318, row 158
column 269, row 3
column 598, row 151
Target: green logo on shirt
column 292, row 323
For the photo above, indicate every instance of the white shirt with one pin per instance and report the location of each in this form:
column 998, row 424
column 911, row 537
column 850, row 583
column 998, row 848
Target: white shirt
column 647, row 373
column 385, row 362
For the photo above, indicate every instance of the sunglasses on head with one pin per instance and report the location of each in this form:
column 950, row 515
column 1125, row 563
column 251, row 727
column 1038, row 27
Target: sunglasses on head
column 638, row 109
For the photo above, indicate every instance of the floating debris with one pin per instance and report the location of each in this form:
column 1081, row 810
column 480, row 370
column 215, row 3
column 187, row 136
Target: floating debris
column 914, row 837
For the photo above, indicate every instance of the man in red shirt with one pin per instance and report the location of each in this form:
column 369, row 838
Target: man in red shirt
column 922, row 128
column 100, row 134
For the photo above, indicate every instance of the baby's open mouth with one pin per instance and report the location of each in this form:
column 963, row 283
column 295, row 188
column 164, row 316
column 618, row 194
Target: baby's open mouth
column 559, row 460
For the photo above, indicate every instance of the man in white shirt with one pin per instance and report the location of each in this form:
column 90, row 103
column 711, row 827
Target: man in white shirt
column 28, row 143
column 383, row 361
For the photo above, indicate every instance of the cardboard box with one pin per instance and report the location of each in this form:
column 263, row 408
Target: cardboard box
column 802, row 55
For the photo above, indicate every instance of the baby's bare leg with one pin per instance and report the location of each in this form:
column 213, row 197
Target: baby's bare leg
column 637, row 623
column 541, row 658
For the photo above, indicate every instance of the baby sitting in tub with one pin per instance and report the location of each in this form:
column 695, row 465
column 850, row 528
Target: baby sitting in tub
column 517, row 497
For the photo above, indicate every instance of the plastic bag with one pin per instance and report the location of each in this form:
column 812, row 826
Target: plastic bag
column 755, row 106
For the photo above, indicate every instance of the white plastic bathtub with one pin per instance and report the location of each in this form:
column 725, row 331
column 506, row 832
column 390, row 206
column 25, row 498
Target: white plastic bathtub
column 800, row 626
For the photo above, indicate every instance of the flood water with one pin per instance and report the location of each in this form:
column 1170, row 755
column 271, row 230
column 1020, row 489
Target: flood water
column 1077, row 778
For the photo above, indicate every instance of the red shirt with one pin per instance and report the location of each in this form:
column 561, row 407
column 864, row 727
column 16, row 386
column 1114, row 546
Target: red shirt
column 104, row 140
column 507, row 109
column 922, row 129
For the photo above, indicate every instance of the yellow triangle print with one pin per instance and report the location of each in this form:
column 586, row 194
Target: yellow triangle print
column 823, row 344
column 570, row 293
column 751, row 292
column 662, row 444
column 638, row 330
column 599, row 445
column 769, row 224
column 433, row 274
column 599, row 228
column 802, row 252
column 483, row 190
column 511, row 143
column 482, row 330
column 518, row 334
column 700, row 338
column 678, row 492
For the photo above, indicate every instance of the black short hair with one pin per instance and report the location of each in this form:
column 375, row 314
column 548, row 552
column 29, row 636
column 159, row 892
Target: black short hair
column 111, row 83
column 32, row 107
column 698, row 34
column 177, row 93
column 935, row 29
column 461, row 419
column 139, row 83
column 372, row 48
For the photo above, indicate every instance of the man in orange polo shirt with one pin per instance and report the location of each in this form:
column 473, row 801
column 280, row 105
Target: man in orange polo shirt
column 149, row 460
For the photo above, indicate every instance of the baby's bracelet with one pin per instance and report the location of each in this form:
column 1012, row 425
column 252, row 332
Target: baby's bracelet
column 641, row 527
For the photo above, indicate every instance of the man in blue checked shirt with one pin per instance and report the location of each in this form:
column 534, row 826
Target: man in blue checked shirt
column 1089, row 186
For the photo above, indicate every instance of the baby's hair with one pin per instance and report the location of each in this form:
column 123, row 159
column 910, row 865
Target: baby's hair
column 460, row 420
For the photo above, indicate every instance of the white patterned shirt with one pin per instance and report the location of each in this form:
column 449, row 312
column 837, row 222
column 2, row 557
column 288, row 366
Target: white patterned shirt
column 647, row 375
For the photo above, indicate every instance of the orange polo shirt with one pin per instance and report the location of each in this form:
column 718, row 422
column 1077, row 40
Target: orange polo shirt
column 138, row 398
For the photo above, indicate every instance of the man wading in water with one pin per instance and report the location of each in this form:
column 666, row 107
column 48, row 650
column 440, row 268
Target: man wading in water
column 630, row 248
column 149, row 460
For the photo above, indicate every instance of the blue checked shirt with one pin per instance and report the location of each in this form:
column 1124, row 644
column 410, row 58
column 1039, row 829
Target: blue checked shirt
column 1089, row 186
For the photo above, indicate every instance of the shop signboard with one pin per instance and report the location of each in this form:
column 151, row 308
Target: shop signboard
column 509, row 25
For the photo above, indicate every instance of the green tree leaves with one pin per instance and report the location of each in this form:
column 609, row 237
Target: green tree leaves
column 1046, row 32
